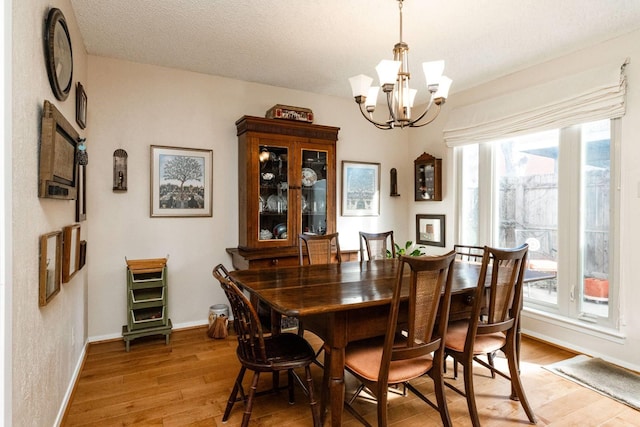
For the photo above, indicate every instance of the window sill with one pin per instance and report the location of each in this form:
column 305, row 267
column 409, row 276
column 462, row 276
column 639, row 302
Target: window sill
column 596, row 331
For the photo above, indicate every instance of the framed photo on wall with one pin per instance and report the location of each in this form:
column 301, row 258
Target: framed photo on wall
column 360, row 189
column 430, row 230
column 81, row 106
column 50, row 265
column 81, row 198
column 181, row 182
column 70, row 251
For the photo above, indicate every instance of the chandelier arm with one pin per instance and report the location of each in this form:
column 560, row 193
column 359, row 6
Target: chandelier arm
column 417, row 125
column 426, row 110
column 376, row 124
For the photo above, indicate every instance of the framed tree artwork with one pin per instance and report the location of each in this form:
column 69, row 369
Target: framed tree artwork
column 181, row 182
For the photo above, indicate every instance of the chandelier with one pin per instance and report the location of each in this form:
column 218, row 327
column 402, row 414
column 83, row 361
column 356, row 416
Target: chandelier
column 394, row 79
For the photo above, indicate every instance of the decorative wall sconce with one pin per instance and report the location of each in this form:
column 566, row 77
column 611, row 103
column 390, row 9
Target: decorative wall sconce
column 120, row 170
column 394, row 182
column 82, row 157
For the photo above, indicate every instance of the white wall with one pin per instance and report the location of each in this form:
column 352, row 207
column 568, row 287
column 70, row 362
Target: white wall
column 624, row 348
column 47, row 342
column 132, row 106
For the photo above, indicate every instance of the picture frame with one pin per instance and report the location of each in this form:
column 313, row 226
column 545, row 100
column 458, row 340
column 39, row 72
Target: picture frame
column 360, row 188
column 83, row 254
column 181, row 182
column 70, row 252
column 58, row 54
column 57, row 178
column 430, row 230
column 81, row 196
column 81, row 106
column 49, row 266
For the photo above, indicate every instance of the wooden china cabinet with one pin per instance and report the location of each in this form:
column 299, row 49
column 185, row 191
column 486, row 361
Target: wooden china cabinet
column 286, row 184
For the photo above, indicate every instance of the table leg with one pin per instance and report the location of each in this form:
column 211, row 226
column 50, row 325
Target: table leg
column 333, row 329
column 324, row 395
column 336, row 384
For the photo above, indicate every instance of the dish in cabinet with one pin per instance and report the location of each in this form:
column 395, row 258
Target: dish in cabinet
column 280, row 231
column 265, row 234
column 276, row 203
column 309, row 177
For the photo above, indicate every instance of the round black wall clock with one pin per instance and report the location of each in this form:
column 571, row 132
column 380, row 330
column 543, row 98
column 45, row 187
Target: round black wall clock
column 58, row 54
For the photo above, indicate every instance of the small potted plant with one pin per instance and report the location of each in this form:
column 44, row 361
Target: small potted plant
column 409, row 250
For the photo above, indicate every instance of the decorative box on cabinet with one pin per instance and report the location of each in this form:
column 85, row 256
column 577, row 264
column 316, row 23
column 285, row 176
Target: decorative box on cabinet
column 286, row 184
column 146, row 300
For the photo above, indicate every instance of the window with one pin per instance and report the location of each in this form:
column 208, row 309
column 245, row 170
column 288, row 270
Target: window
column 552, row 190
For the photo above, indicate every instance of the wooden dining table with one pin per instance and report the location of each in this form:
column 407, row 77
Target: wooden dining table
column 345, row 302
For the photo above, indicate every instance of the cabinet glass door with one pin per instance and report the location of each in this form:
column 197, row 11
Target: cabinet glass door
column 314, row 192
column 274, row 187
column 425, row 187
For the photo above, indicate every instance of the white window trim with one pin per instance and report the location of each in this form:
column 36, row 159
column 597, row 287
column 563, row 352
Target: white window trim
column 569, row 256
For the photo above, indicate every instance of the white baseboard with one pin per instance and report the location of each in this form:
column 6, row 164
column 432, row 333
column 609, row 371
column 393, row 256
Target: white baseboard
column 176, row 326
column 67, row 396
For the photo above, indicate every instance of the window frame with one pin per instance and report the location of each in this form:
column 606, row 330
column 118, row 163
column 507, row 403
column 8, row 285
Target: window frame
column 570, row 232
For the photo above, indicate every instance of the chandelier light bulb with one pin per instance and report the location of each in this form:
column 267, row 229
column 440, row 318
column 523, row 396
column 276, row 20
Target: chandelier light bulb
column 443, row 88
column 360, row 85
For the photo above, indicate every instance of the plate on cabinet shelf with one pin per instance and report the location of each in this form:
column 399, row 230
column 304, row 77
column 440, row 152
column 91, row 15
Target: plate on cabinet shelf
column 309, row 177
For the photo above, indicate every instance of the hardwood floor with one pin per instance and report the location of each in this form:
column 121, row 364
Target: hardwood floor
column 188, row 383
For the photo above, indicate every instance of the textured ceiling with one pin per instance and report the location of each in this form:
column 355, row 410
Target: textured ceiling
column 316, row 45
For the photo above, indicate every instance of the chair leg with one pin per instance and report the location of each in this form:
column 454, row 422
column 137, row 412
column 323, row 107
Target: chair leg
column 471, row 398
column 248, row 407
column 455, row 365
column 315, row 408
column 490, row 357
column 382, row 406
column 234, row 394
column 290, row 380
column 516, row 383
column 441, row 399
column 315, row 360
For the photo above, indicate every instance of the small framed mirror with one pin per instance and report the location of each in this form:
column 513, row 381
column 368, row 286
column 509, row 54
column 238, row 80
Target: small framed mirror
column 71, row 252
column 428, row 178
column 50, row 263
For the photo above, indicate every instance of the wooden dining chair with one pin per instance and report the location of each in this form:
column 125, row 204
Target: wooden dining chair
column 493, row 324
column 260, row 353
column 413, row 345
column 377, row 245
column 469, row 253
column 319, row 249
